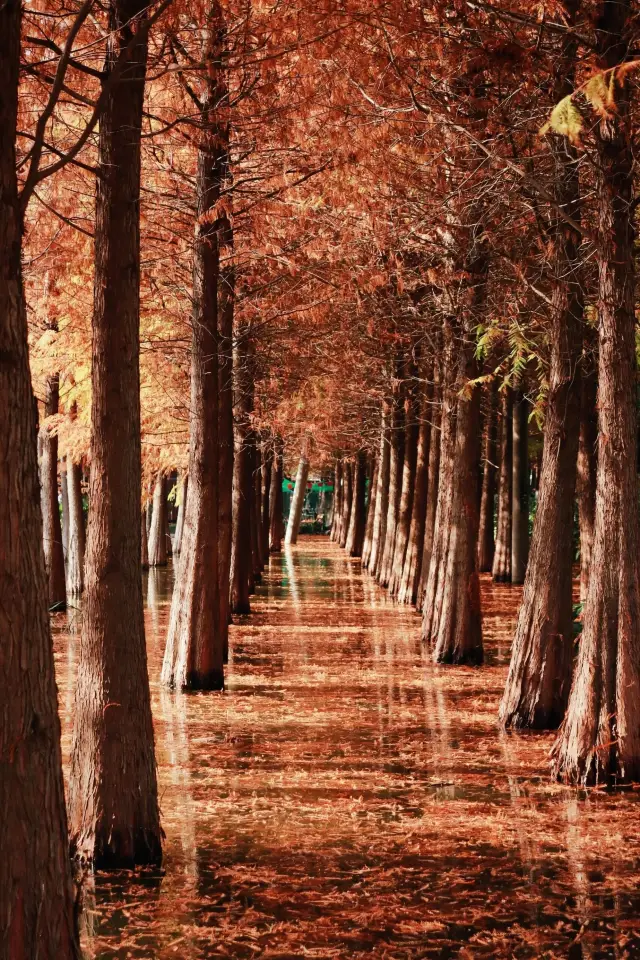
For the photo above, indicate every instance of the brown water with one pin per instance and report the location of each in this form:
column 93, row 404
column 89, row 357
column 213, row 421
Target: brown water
column 345, row 798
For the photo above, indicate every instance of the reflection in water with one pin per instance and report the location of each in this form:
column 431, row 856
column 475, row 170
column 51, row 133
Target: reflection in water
column 345, row 797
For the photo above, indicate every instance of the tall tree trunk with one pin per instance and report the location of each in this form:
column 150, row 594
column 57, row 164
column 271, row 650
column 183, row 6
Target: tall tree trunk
column 587, row 469
column 64, row 496
column 407, row 490
column 396, row 457
column 502, row 556
column 542, row 653
column 520, row 490
column 267, row 466
column 226, row 310
column 256, row 510
column 144, row 541
column 600, row 737
column 194, row 653
column 158, row 531
column 379, row 532
column 275, row 499
column 486, row 540
column 408, row 590
column 297, row 501
column 179, row 531
column 75, row 561
column 371, row 512
column 347, row 500
column 241, row 552
column 337, row 501
column 434, row 483
column 36, row 904
column 113, row 795
column 51, row 525
column 355, row 535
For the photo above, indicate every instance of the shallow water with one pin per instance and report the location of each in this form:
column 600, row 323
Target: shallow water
column 346, row 798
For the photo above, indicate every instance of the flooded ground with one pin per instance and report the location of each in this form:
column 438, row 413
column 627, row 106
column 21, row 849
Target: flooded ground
column 346, row 798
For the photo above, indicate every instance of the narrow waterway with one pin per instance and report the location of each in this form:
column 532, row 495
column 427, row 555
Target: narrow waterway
column 345, row 798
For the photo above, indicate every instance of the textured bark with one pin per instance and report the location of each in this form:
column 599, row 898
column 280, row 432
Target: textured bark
column 542, row 653
column 226, row 310
column 36, row 905
column 267, row 466
column 113, row 796
column 408, row 590
column 502, row 556
column 587, row 469
column 256, row 511
column 241, row 550
column 297, row 501
column 600, row 737
column 486, row 538
column 347, row 501
column 396, row 453
column 357, row 519
column 433, row 485
column 51, row 525
column 371, row 513
column 275, row 499
column 158, row 531
column 194, row 653
column 144, row 541
column 75, row 557
column 64, row 497
column 179, row 531
column 520, row 490
column 405, row 507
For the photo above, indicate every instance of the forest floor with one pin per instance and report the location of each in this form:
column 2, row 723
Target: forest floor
column 346, row 798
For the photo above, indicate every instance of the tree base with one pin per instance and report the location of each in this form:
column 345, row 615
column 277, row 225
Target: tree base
column 214, row 680
column 117, row 851
column 468, row 658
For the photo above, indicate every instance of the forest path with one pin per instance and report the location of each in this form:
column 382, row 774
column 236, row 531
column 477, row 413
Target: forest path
column 344, row 797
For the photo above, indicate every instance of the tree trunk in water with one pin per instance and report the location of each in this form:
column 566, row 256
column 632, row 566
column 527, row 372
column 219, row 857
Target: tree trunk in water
column 347, row 501
column 158, row 534
column 256, row 512
column 267, row 466
column 275, row 499
column 542, row 653
column 355, row 535
column 435, row 446
column 113, row 795
column 144, row 542
column 226, row 310
column 587, row 469
column 75, row 561
column 600, row 737
column 405, row 508
column 486, row 541
column 408, row 590
column 502, row 556
column 37, row 917
column 194, row 653
column 177, row 537
column 242, row 551
column 520, row 491
column 64, row 492
column 396, row 452
column 297, row 501
column 51, row 525
column 371, row 512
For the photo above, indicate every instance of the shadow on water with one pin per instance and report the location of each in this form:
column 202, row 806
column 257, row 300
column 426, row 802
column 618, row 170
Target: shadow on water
column 344, row 797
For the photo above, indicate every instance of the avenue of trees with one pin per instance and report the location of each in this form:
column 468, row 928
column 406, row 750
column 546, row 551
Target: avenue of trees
column 389, row 244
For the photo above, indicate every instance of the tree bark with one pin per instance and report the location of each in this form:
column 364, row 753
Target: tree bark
column 297, row 501
column 226, row 311
column 256, row 512
column 75, row 560
column 144, row 541
column 520, row 490
column 51, row 525
column 486, row 538
column 371, row 512
column 64, row 496
column 433, row 484
column 587, row 470
column 408, row 590
column 405, row 507
column 275, row 499
column 36, row 903
column 113, row 795
column 355, row 535
column 502, row 557
column 600, row 737
column 194, row 652
column 241, row 551
column 267, row 467
column 542, row 653
column 182, row 495
column 347, row 501
column 396, row 454
column 337, row 502
column 158, row 531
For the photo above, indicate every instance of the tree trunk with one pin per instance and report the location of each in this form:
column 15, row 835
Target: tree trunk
column 379, row 531
column 241, row 551
column 600, row 737
column 275, row 499
column 51, row 525
column 486, row 540
column 542, row 653
column 158, row 532
column 408, row 590
column 267, row 467
column 75, row 561
column 502, row 556
column 256, row 511
column 355, row 535
column 587, row 469
column 371, row 512
column 396, row 456
column 297, row 501
column 64, row 496
column 144, row 542
column 182, row 496
column 405, row 508
column 433, row 485
column 226, row 311
column 37, row 918
column 113, row 796
column 347, row 501
column 520, row 491
column 194, row 653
